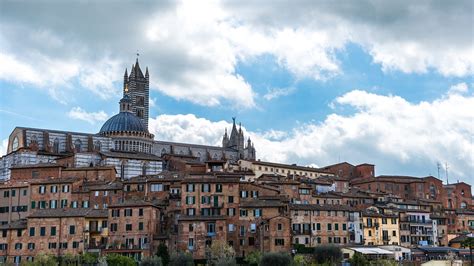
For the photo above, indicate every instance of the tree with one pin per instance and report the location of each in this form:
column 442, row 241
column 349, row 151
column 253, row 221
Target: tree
column 300, row 260
column 119, row 260
column 163, row 254
column 69, row 259
column 45, row 260
column 469, row 243
column 151, row 261
column 327, row 253
column 221, row 253
column 253, row 258
column 275, row 259
column 89, row 258
column 358, row 260
column 181, row 259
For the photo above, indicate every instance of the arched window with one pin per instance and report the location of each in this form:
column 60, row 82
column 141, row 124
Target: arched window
column 215, row 156
column 433, row 191
column 144, row 167
column 15, row 144
column 199, row 155
column 123, row 165
column 34, row 139
column 56, row 145
column 97, row 145
column 463, row 205
column 181, row 152
column 77, row 145
column 163, row 151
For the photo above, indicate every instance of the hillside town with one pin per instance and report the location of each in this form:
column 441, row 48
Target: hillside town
column 122, row 192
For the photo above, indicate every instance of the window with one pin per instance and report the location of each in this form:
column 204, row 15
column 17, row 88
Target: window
column 190, row 211
column 218, row 187
column 128, row 212
column 53, row 204
column 65, row 188
column 279, row 242
column 19, row 232
column 42, row 231
column 190, row 188
column 25, row 192
column 279, row 227
column 54, row 189
column 191, row 243
column 140, row 187
column 394, row 220
column 243, row 213
column 72, row 229
column 336, row 227
column 190, row 200
column 128, row 227
column 231, row 227
column 230, row 211
column 318, row 226
column 53, row 230
column 42, row 189
column 63, row 245
column 257, row 212
column 231, row 199
column 140, row 226
column 211, row 228
column 75, row 244
column 206, row 188
column 329, row 227
column 384, row 220
column 243, row 194
column 13, row 193
column 52, row 245
column 63, row 203
column 31, row 246
column 115, row 213
column 156, row 187
column 394, row 233
column 32, row 231
column 140, row 212
column 344, row 227
column 113, row 227
column 18, row 246
column 85, row 204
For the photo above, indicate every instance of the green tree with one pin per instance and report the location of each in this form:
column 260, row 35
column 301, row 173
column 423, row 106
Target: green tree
column 181, row 259
column 89, row 258
column 300, row 260
column 151, row 261
column 68, row 260
column 358, row 260
column 469, row 243
column 43, row 260
column 163, row 254
column 253, row 258
column 275, row 259
column 119, row 260
column 327, row 253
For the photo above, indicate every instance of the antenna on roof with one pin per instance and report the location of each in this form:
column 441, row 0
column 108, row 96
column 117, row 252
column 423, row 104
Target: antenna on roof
column 447, row 179
column 439, row 167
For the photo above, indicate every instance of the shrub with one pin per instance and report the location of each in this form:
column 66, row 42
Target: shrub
column 151, row 261
column 119, row 260
column 253, row 258
column 275, row 259
column 181, row 259
column 331, row 254
column 358, row 260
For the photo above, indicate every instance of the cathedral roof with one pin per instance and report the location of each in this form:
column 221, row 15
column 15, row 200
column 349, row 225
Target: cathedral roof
column 125, row 122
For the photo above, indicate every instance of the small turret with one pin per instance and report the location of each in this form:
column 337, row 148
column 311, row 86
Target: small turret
column 125, row 81
column 125, row 104
column 225, row 139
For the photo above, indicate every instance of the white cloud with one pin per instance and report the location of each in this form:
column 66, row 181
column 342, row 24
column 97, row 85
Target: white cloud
column 459, row 88
column 278, row 92
column 398, row 136
column 194, row 48
column 90, row 117
column 3, row 147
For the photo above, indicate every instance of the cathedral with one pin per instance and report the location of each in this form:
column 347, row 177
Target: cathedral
column 123, row 141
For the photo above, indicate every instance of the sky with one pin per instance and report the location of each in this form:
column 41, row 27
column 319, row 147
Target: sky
column 312, row 82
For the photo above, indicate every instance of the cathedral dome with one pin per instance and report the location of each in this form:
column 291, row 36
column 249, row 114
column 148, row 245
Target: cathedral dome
column 123, row 122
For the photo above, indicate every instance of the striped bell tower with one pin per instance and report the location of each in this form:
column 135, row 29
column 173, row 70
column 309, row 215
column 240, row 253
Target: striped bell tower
column 137, row 87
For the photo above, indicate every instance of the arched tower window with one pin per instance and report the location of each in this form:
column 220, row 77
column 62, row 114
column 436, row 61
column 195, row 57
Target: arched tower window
column 97, row 145
column 144, row 168
column 123, row 165
column 163, row 151
column 77, row 145
column 56, row 145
